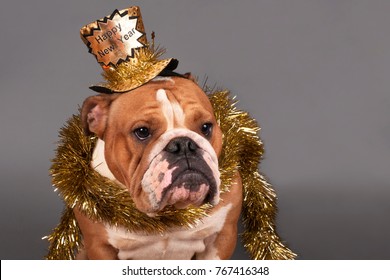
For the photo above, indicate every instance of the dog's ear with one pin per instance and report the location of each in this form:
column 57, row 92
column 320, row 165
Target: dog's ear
column 94, row 114
column 190, row 77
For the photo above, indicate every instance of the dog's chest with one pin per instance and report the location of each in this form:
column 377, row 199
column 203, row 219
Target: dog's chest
column 177, row 244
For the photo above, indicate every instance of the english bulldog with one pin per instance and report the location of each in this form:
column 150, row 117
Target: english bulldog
column 161, row 142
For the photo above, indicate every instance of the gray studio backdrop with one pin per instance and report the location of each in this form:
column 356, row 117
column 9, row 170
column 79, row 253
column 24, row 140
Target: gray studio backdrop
column 315, row 74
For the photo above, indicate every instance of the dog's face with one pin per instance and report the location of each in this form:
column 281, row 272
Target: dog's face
column 161, row 141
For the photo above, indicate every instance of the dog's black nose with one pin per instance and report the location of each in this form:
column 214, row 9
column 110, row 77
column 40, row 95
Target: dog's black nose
column 181, row 146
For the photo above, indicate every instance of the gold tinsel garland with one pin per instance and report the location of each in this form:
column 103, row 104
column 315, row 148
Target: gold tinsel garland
column 102, row 200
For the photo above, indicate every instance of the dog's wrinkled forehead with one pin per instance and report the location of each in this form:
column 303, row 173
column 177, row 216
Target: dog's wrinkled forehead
column 171, row 110
column 176, row 98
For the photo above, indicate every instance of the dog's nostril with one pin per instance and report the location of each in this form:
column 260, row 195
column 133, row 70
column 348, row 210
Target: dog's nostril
column 192, row 146
column 172, row 147
column 181, row 145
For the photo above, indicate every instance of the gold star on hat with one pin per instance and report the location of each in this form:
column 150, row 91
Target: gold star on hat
column 119, row 43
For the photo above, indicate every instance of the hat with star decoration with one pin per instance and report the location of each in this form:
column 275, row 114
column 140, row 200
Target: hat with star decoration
column 119, row 43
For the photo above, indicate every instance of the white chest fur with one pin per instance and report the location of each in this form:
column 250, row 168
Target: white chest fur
column 177, row 244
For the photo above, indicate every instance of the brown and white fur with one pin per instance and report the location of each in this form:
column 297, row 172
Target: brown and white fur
column 161, row 142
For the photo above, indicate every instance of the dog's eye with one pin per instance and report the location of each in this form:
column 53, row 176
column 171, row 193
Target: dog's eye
column 142, row 133
column 206, row 129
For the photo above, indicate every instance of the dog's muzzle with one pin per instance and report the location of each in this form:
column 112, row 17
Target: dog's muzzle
column 183, row 176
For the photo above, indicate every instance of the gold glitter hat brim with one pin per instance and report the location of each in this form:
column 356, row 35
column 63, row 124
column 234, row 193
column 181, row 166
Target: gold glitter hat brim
column 127, row 77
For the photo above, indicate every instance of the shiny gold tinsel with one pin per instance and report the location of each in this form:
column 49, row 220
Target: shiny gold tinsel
column 103, row 200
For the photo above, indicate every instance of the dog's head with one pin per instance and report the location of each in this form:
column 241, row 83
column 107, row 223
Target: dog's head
column 161, row 141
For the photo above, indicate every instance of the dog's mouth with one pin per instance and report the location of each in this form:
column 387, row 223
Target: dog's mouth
column 181, row 181
column 190, row 187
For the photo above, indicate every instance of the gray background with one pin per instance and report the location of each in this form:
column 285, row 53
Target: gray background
column 315, row 74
